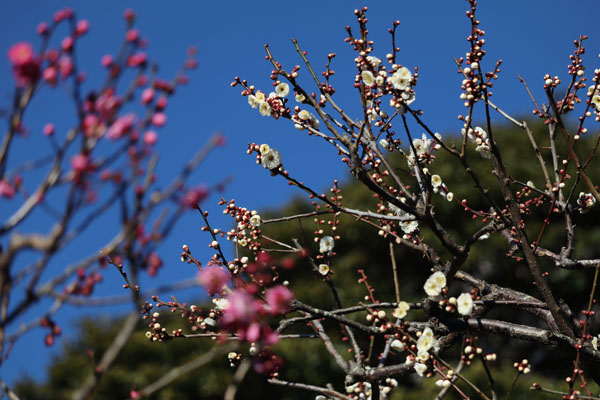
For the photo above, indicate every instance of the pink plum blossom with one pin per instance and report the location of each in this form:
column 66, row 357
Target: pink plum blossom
column 121, row 126
column 278, row 299
column 213, row 279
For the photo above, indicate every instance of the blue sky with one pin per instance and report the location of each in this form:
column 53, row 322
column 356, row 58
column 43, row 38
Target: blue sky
column 532, row 37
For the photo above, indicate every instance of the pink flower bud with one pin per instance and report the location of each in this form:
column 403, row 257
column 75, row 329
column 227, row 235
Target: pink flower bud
column 159, row 119
column 150, row 137
column 129, row 15
column 107, row 60
column 50, row 75
column 79, row 162
column 67, row 44
column 137, row 59
column 65, row 65
column 6, row 190
column 82, row 27
column 147, row 95
column 42, row 28
column 132, row 35
column 161, row 103
column 49, row 129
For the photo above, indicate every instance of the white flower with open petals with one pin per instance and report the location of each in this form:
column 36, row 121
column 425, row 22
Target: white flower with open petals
column 401, row 311
column 253, row 101
column 271, row 159
column 282, row 89
column 435, row 283
column 326, row 244
column 304, row 115
column 323, row 269
column 464, row 304
column 425, row 341
column 255, row 220
column 264, row 148
column 409, row 226
column 299, row 97
column 260, row 97
column 420, row 369
column 436, row 181
column 401, row 78
column 264, row 109
column 368, row 78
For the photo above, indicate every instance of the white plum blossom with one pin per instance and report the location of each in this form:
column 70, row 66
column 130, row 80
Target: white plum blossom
column 271, row 159
column 420, row 369
column 255, row 220
column 299, row 97
column 435, row 283
column 422, row 356
column 374, row 61
column 323, row 269
column 221, row 304
column 464, row 304
column 422, row 146
column 585, row 201
column 264, row 148
column 260, row 97
column 397, row 345
column 253, row 101
column 401, row 311
column 481, row 140
column 368, row 78
column 326, row 244
column 595, row 342
column 409, row 226
column 282, row 89
column 401, row 78
column 425, row 341
column 594, row 93
column 315, row 121
column 379, row 80
column 304, row 115
column 436, row 181
column 264, row 109
column 384, row 143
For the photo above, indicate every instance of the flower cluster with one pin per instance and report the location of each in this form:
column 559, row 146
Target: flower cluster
column 408, row 226
column 25, row 64
column 247, row 233
column 425, row 344
column 424, row 149
column 585, row 201
column 435, row 283
column 304, row 119
column 271, row 105
column 481, row 140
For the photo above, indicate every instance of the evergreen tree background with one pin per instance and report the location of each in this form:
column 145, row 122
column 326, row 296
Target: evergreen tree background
column 306, row 360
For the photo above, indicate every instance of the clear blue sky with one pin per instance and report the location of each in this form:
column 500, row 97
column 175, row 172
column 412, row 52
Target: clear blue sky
column 533, row 37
